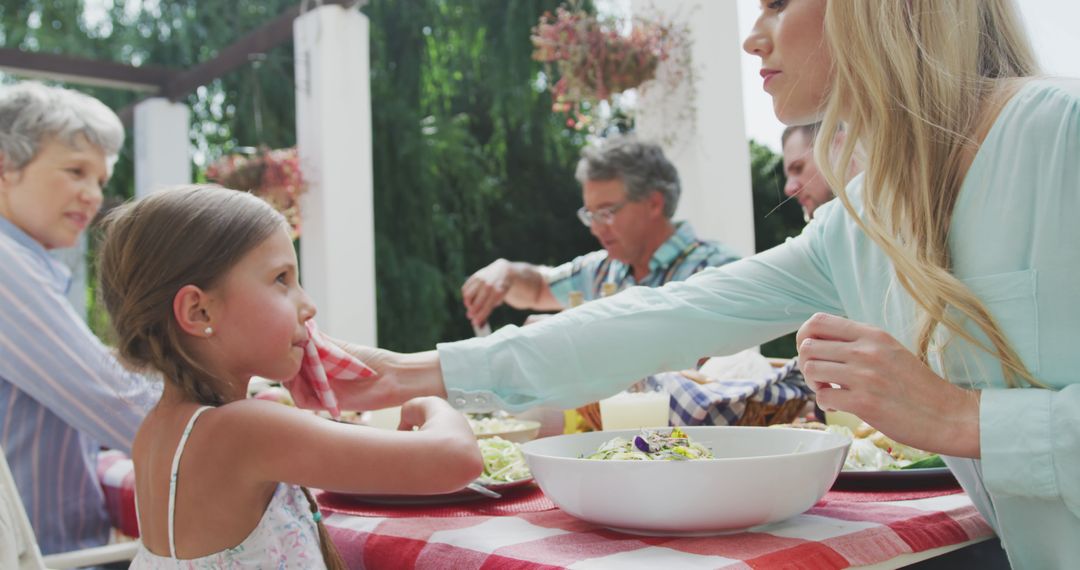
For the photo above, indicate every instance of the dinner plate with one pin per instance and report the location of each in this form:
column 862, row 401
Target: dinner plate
column 459, row 496
column 524, row 430
column 898, row 479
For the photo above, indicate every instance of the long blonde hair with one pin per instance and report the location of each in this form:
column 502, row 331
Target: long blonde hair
column 910, row 81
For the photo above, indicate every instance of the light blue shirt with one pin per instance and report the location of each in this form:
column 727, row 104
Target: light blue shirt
column 62, row 396
column 1015, row 241
column 679, row 257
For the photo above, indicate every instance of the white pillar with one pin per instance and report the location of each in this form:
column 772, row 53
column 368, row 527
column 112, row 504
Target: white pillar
column 75, row 259
column 333, row 132
column 162, row 149
column 711, row 150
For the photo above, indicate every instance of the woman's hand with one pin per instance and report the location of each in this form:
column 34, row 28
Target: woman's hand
column 863, row 370
column 398, row 377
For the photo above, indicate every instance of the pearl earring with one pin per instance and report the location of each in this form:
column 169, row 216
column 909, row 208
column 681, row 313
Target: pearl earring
column 208, row 331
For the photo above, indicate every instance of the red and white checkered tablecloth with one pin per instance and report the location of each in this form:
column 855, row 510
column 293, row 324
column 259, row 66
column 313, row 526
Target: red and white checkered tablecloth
column 833, row 534
column 842, row 530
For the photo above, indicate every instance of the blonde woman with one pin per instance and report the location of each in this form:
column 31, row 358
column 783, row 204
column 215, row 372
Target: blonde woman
column 938, row 297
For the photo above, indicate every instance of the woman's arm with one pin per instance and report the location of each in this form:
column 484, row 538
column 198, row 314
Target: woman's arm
column 592, row 351
column 595, row 350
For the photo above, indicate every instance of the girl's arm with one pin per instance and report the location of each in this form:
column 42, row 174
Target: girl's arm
column 271, row 442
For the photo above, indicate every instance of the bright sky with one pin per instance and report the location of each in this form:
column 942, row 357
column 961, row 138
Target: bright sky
column 1051, row 25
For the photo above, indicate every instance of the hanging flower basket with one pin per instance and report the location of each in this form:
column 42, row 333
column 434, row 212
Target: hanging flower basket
column 271, row 174
column 596, row 58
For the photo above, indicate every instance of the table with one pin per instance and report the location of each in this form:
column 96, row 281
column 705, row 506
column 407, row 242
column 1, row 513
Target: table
column 843, row 530
column 838, row 532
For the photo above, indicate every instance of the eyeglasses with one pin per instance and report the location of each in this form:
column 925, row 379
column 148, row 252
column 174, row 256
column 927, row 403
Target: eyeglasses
column 602, row 216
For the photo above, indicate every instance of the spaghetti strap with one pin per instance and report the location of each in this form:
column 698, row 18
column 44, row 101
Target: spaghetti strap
column 172, row 477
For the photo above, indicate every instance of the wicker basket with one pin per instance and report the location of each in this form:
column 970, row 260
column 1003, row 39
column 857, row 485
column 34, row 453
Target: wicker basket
column 756, row 413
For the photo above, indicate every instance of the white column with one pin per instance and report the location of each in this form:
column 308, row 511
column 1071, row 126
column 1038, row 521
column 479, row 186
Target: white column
column 162, row 149
column 75, row 259
column 333, row 131
column 711, row 150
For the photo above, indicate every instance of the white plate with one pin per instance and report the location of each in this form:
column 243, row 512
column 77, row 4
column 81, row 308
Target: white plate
column 526, row 430
column 898, row 479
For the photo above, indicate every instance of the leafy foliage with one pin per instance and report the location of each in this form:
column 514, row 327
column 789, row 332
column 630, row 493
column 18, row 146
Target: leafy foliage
column 775, row 219
column 470, row 164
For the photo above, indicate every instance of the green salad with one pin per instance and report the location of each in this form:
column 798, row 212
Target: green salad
column 503, row 461
column 653, row 445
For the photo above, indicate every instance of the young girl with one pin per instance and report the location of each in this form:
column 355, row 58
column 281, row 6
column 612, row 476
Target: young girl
column 937, row 296
column 202, row 286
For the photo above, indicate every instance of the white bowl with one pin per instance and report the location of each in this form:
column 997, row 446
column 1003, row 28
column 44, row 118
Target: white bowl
column 760, row 475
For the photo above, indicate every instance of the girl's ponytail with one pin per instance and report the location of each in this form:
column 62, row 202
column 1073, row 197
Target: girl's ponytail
column 330, row 554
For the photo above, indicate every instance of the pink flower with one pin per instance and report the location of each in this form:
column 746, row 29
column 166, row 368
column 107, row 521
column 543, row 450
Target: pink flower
column 273, row 175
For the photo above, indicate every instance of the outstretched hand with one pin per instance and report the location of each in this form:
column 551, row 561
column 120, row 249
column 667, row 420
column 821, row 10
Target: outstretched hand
column 485, row 290
column 863, row 370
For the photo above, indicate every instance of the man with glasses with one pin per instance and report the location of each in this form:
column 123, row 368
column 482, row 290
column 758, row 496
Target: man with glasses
column 630, row 192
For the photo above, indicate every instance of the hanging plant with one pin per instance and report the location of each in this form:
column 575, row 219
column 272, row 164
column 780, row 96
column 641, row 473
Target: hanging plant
column 271, row 174
column 597, row 59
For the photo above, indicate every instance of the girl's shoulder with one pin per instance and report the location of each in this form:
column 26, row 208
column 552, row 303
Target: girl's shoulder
column 251, row 421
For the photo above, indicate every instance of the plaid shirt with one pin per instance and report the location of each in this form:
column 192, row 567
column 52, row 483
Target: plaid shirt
column 681, row 256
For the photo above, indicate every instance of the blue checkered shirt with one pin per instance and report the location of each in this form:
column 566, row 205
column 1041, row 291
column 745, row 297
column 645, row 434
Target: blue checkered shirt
column 681, row 256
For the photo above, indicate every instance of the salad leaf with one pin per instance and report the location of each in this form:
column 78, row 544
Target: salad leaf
column 928, row 463
column 503, row 461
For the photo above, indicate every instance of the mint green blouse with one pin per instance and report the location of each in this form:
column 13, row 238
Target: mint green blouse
column 1015, row 241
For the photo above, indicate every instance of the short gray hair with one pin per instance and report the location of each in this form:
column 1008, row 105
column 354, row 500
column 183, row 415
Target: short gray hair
column 32, row 113
column 641, row 166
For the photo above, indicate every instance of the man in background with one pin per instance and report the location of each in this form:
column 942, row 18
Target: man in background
column 630, row 192
column 804, row 182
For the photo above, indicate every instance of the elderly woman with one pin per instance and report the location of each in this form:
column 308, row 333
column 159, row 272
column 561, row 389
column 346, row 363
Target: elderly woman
column 62, row 395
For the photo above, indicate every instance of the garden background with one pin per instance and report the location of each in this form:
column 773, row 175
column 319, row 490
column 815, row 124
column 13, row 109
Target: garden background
column 470, row 162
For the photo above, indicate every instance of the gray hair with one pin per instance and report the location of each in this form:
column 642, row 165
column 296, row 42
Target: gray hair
column 641, row 165
column 32, row 113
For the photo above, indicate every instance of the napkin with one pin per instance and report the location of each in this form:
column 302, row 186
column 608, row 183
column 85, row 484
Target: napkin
column 324, row 359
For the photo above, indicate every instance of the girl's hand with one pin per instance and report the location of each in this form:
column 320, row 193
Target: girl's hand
column 863, row 370
column 433, row 413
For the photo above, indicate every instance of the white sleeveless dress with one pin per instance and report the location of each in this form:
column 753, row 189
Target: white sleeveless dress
column 285, row 538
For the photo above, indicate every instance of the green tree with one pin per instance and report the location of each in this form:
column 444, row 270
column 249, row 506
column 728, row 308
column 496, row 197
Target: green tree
column 775, row 219
column 470, row 163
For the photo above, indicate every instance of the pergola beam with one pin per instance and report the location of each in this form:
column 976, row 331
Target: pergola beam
column 146, row 78
column 152, row 79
